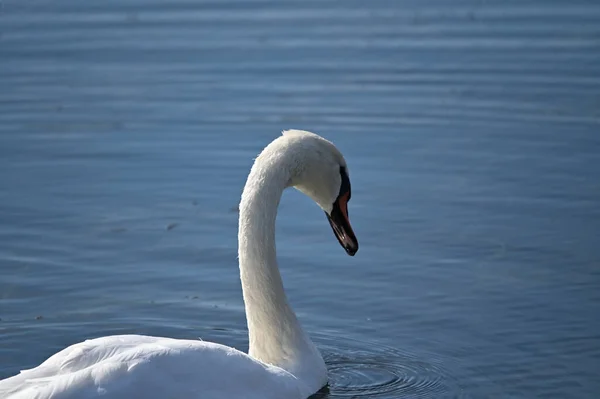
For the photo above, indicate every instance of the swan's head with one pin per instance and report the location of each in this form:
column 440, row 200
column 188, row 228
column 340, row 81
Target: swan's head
column 321, row 173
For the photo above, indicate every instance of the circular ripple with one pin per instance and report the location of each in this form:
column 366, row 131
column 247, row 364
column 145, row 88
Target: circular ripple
column 367, row 370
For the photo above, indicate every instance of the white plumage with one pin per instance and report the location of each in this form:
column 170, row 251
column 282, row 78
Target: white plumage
column 137, row 366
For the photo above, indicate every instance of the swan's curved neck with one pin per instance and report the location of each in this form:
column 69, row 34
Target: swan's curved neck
column 276, row 336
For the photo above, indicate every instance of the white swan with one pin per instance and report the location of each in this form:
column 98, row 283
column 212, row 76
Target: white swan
column 282, row 363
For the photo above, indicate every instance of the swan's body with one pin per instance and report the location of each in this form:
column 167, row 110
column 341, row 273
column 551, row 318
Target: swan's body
column 282, row 361
column 137, row 366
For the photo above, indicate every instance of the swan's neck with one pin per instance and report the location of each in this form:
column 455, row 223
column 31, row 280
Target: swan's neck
column 276, row 336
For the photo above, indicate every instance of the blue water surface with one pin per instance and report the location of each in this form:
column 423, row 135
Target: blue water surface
column 472, row 133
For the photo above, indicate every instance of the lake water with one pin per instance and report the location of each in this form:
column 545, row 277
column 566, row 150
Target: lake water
column 471, row 130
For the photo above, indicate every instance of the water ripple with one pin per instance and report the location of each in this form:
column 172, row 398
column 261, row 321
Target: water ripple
column 360, row 369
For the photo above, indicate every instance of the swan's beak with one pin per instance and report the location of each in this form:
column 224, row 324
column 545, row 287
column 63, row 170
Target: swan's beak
column 341, row 225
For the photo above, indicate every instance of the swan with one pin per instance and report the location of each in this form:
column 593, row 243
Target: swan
column 282, row 361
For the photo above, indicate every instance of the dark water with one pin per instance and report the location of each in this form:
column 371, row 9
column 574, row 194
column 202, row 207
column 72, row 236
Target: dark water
column 472, row 132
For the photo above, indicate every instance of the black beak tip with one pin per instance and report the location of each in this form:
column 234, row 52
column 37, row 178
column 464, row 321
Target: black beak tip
column 351, row 250
column 343, row 233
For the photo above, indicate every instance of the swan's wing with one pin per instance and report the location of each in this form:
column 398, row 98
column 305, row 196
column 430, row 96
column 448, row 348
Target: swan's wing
column 134, row 366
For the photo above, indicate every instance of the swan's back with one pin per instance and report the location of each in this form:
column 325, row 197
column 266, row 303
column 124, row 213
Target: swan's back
column 133, row 366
